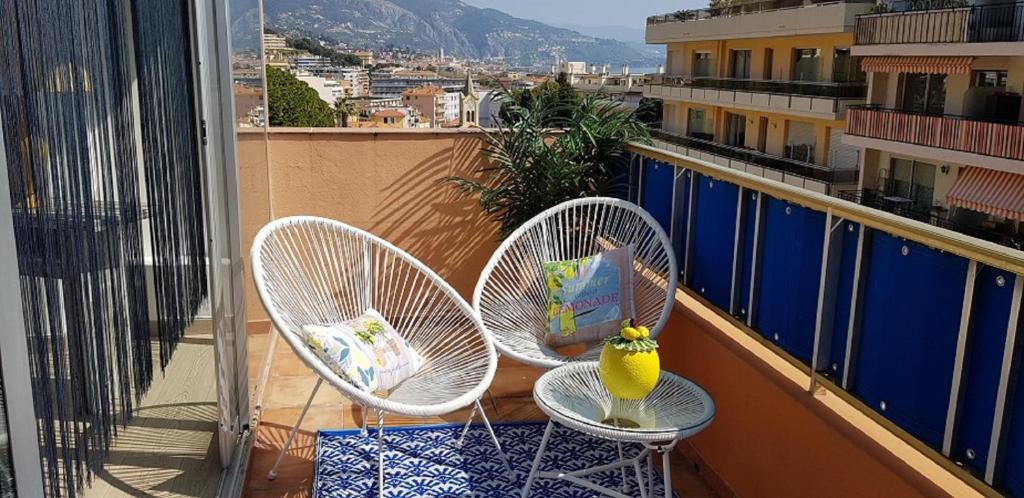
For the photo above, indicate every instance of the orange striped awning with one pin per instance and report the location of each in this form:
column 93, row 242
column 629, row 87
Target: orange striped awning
column 989, row 191
column 900, row 64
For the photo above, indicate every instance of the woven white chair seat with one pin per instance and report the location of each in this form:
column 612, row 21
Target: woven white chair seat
column 511, row 295
column 311, row 270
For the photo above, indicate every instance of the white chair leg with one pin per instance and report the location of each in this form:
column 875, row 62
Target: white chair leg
column 622, row 470
column 469, row 420
column 497, row 444
column 666, row 468
column 380, row 453
column 650, row 474
column 366, row 411
column 536, row 460
column 273, row 471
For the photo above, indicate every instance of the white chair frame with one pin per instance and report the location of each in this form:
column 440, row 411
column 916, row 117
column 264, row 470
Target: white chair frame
column 511, row 296
column 311, row 270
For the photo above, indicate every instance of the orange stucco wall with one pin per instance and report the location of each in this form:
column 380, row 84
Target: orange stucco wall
column 386, row 182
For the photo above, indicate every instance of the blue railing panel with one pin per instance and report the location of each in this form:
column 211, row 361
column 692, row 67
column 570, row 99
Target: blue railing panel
column 714, row 231
column 656, row 193
column 990, row 314
column 750, row 200
column 680, row 224
column 787, row 296
column 911, row 319
column 843, row 298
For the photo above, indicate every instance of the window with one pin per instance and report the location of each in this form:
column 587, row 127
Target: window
column 923, row 93
column 806, row 64
column 741, row 64
column 995, row 79
column 735, row 130
column 697, row 125
column 701, row 64
column 914, row 180
column 800, row 141
column 846, row 67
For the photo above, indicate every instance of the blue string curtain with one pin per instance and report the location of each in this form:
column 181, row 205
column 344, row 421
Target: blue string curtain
column 171, row 148
column 81, row 158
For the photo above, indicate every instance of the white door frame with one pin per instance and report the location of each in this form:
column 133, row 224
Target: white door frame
column 23, row 433
column 212, row 42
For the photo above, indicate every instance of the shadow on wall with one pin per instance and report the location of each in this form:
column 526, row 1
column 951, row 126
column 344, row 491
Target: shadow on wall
column 444, row 229
column 388, row 183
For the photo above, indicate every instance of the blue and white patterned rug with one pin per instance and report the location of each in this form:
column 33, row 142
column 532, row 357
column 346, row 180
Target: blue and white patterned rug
column 427, row 461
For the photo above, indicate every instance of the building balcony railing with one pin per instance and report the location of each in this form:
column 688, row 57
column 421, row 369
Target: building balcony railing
column 827, row 89
column 888, row 312
column 878, row 199
column 823, row 174
column 1002, row 139
column 738, row 10
column 973, row 24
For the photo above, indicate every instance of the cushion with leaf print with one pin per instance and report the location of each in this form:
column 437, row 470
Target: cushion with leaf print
column 366, row 351
column 588, row 297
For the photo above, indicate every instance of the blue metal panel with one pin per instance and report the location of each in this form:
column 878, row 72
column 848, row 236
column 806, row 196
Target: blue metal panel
column 656, row 195
column 790, row 272
column 990, row 313
column 681, row 214
column 911, row 318
column 714, row 229
column 747, row 252
column 844, row 293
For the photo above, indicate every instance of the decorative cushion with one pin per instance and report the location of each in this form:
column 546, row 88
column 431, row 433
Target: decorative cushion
column 366, row 351
column 589, row 297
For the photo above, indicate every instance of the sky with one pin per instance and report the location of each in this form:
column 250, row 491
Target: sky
column 627, row 13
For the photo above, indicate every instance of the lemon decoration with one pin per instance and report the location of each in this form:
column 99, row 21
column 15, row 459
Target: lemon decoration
column 629, row 366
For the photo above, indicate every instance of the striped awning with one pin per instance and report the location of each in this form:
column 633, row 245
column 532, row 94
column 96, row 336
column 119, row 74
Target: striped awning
column 900, row 64
column 989, row 191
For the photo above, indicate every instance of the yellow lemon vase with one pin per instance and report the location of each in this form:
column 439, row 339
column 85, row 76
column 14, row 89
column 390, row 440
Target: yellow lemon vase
column 629, row 366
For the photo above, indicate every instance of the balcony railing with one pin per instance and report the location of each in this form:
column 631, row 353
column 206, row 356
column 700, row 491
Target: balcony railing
column 786, row 165
column 973, row 24
column 881, row 200
column 990, row 138
column 742, row 9
column 827, row 89
column 914, row 324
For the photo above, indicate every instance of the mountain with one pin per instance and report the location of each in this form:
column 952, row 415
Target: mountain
column 428, row 25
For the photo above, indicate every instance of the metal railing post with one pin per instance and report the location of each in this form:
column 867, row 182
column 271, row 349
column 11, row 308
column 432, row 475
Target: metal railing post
column 958, row 361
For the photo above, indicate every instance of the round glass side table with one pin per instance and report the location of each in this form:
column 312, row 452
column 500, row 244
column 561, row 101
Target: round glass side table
column 573, row 396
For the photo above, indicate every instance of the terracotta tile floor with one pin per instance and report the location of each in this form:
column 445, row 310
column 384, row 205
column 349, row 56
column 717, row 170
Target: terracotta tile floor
column 288, row 387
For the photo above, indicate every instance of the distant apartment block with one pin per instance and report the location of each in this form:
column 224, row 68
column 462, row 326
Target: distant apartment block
column 329, row 90
column 624, row 86
column 943, row 128
column 763, row 87
column 273, row 42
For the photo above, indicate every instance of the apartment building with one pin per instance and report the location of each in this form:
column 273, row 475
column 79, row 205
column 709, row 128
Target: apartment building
column 434, row 103
column 624, row 86
column 943, row 132
column 762, row 87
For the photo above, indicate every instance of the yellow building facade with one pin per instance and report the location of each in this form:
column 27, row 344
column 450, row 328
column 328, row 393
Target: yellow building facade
column 772, row 87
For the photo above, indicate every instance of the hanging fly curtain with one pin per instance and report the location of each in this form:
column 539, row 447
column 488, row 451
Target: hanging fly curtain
column 96, row 177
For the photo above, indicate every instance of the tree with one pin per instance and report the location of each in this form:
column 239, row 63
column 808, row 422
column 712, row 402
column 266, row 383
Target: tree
column 343, row 108
column 650, row 111
column 294, row 103
column 557, row 96
column 532, row 169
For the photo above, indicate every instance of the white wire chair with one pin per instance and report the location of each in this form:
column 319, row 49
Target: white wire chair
column 511, row 295
column 311, row 270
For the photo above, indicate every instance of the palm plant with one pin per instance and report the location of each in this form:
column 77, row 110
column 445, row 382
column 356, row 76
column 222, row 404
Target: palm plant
column 547, row 151
column 343, row 108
